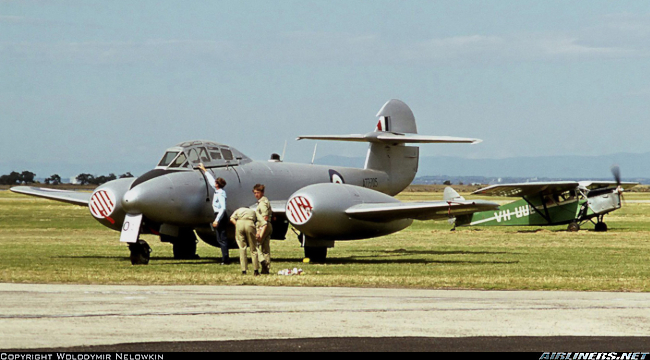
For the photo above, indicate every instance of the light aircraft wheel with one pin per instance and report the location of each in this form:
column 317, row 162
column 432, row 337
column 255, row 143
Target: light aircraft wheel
column 140, row 253
column 601, row 227
column 316, row 254
column 573, row 227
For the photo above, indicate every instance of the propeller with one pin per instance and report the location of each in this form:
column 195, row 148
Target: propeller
column 616, row 171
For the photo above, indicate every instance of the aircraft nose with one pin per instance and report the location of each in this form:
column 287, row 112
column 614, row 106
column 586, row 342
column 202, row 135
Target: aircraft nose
column 149, row 198
column 130, row 201
column 178, row 199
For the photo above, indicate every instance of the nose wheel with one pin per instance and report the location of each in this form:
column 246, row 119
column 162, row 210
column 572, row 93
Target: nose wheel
column 140, row 253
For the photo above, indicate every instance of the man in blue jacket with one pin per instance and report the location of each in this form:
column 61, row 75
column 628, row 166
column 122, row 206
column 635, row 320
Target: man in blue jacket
column 220, row 218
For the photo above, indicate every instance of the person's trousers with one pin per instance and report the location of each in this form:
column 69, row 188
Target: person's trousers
column 264, row 250
column 222, row 238
column 246, row 239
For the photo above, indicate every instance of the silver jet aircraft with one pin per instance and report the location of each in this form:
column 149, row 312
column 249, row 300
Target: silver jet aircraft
column 324, row 204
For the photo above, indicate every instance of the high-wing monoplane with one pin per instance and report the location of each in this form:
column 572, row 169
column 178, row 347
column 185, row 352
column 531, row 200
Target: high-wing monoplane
column 552, row 203
column 324, row 204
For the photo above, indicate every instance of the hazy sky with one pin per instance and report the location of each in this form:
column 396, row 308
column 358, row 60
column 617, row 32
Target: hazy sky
column 97, row 81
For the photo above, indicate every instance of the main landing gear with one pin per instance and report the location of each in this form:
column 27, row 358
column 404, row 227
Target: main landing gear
column 600, row 225
column 315, row 251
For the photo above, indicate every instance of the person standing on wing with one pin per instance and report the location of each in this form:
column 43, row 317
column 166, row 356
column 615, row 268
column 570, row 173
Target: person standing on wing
column 264, row 210
column 220, row 218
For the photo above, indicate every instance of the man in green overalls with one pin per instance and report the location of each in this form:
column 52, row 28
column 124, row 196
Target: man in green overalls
column 246, row 222
column 265, row 231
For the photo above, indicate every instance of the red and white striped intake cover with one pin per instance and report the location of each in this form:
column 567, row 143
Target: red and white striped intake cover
column 102, row 204
column 299, row 210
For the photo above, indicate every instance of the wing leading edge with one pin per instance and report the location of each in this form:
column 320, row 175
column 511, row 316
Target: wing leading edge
column 527, row 189
column 70, row 197
column 547, row 188
column 382, row 212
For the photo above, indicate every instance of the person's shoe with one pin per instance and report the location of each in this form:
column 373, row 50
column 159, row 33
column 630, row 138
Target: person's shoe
column 243, row 272
column 265, row 268
column 225, row 263
column 257, row 273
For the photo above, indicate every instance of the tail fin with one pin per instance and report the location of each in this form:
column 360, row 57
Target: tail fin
column 396, row 116
column 451, row 195
column 388, row 153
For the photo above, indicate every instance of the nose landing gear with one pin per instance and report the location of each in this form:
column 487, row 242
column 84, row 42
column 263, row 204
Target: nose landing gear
column 140, row 253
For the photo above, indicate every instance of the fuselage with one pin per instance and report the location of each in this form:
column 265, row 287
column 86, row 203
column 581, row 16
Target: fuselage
column 182, row 197
column 177, row 194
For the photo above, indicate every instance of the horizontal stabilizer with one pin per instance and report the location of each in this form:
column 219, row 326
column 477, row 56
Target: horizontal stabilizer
column 384, row 212
column 392, row 138
column 71, row 197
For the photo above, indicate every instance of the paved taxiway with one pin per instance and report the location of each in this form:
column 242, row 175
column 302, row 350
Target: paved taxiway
column 48, row 316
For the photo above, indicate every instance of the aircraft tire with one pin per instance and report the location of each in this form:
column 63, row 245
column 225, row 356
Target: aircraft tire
column 185, row 250
column 573, row 227
column 601, row 227
column 316, row 254
column 140, row 253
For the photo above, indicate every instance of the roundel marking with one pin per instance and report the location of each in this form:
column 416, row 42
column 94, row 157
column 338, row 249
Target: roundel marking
column 299, row 210
column 336, row 177
column 102, row 204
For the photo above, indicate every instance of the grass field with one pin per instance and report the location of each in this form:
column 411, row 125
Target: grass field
column 43, row 241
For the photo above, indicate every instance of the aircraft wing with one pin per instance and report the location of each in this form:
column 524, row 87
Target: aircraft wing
column 71, row 197
column 592, row 185
column 279, row 206
column 383, row 212
column 527, row 189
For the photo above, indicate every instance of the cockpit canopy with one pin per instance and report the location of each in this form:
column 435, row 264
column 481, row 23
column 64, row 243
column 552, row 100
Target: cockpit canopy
column 190, row 154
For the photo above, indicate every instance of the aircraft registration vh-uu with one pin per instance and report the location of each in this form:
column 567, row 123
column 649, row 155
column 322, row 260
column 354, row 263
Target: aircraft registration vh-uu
column 324, row 204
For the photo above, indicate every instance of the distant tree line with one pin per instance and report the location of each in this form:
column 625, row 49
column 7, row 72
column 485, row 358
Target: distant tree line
column 27, row 177
column 15, row 178
column 89, row 179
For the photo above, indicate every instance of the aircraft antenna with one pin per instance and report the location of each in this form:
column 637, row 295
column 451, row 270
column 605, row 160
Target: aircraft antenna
column 284, row 150
column 314, row 156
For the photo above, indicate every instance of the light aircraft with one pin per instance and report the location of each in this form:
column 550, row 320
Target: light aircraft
column 323, row 203
column 552, row 203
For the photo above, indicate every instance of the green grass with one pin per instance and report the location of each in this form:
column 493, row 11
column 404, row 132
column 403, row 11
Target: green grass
column 48, row 242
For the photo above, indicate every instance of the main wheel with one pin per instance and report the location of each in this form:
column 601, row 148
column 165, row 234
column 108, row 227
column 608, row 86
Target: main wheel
column 601, row 227
column 185, row 250
column 316, row 254
column 140, row 253
column 573, row 227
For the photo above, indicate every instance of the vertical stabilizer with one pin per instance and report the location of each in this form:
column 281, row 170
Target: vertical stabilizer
column 399, row 161
column 396, row 116
column 451, row 195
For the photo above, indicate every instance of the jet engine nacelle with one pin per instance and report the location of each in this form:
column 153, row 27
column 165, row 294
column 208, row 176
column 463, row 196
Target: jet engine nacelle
column 106, row 203
column 318, row 211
